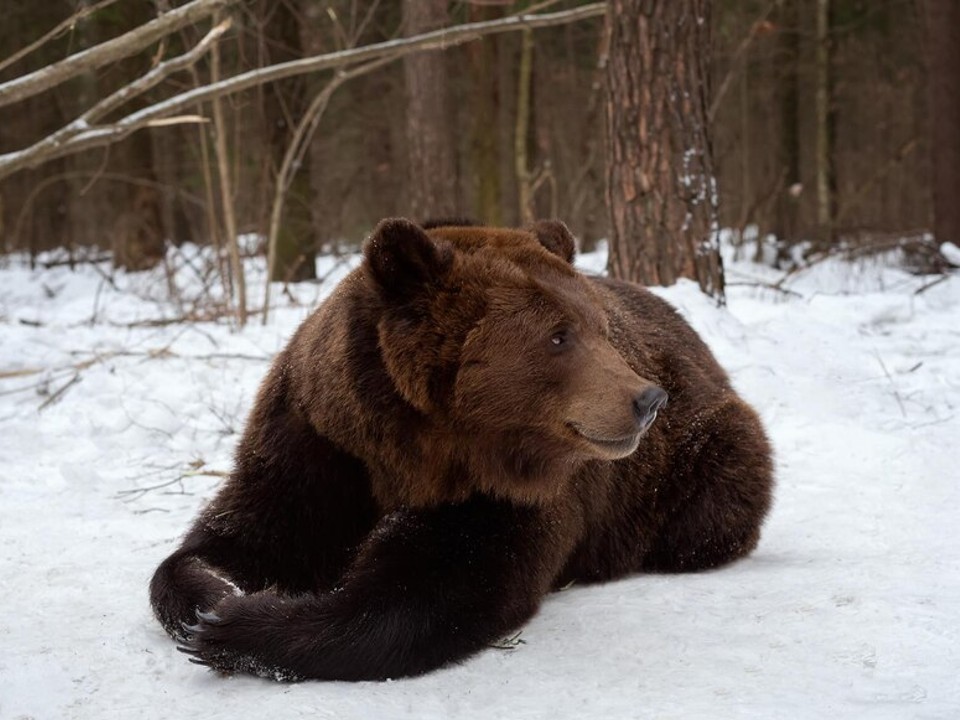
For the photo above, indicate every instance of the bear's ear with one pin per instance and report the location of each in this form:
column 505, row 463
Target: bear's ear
column 403, row 260
column 555, row 237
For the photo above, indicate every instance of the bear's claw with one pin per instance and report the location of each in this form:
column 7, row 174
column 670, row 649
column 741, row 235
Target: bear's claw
column 211, row 618
column 194, row 629
column 201, row 642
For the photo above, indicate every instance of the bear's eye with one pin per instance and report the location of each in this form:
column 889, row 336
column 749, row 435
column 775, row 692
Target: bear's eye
column 560, row 339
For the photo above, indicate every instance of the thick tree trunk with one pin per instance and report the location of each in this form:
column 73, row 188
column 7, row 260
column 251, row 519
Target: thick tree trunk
column 660, row 182
column 943, row 43
column 431, row 171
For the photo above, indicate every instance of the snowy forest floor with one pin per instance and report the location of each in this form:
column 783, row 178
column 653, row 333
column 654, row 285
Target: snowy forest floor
column 110, row 423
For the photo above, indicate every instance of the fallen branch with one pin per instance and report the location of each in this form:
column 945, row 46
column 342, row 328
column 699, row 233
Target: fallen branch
column 60, row 391
column 137, row 493
column 165, row 353
column 162, row 353
column 766, row 286
column 936, row 262
column 893, row 385
column 934, row 283
column 25, row 372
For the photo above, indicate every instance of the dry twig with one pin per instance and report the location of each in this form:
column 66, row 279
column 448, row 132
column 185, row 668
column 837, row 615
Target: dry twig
column 292, row 158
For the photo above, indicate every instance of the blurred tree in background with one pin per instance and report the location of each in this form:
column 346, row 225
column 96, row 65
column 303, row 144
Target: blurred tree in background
column 943, row 51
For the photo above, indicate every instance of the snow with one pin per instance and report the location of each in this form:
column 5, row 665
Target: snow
column 850, row 607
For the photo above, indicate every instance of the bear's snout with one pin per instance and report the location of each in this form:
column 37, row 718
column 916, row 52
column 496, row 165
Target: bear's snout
column 646, row 405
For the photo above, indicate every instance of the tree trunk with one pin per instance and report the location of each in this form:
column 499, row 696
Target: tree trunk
column 312, row 16
column 522, row 131
column 431, row 173
column 788, row 90
column 283, row 103
column 823, row 151
column 660, row 183
column 943, row 56
column 484, row 135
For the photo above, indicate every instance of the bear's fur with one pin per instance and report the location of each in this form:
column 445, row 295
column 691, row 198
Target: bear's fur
column 464, row 425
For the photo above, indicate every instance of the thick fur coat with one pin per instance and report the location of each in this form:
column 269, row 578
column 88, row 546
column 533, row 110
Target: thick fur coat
column 465, row 424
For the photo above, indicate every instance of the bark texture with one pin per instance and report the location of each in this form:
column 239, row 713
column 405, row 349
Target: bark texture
column 431, row 170
column 943, row 35
column 660, row 187
column 483, row 59
column 282, row 105
column 823, row 150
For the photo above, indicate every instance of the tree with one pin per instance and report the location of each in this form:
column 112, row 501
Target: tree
column 660, row 183
column 943, row 56
column 88, row 131
column 431, row 170
column 140, row 89
column 824, row 126
column 280, row 104
column 485, row 102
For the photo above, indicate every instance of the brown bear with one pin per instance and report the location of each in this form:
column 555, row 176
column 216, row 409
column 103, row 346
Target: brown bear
column 465, row 424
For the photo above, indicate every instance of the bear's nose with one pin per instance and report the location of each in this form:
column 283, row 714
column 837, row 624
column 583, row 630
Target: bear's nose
column 647, row 404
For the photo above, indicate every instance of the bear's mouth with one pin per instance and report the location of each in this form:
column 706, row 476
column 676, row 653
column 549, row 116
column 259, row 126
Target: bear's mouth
column 613, row 448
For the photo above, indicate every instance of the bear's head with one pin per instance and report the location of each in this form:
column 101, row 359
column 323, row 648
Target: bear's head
column 495, row 337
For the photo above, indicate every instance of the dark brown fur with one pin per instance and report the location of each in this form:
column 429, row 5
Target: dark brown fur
column 448, row 437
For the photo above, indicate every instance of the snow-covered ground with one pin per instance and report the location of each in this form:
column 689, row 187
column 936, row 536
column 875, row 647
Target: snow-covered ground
column 849, row 608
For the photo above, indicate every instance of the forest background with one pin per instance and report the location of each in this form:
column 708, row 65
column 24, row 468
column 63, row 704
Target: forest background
column 824, row 126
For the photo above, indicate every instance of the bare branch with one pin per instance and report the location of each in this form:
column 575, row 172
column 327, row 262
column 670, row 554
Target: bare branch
column 107, row 52
column 858, row 195
column 155, row 76
column 755, row 28
column 292, row 157
column 392, row 49
column 57, row 31
column 51, row 145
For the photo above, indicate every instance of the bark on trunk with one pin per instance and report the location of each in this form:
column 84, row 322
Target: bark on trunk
column 522, row 131
column 788, row 211
column 823, row 151
column 283, row 103
column 431, row 171
column 660, row 182
column 484, row 136
column 943, row 43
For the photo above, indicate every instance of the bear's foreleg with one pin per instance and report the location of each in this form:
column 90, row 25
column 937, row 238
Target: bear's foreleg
column 716, row 503
column 428, row 587
column 184, row 582
column 290, row 517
